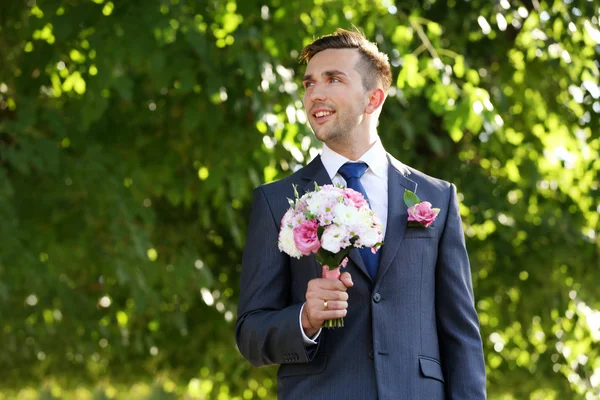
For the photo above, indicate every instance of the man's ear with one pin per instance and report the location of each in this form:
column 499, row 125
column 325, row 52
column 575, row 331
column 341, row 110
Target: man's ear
column 376, row 99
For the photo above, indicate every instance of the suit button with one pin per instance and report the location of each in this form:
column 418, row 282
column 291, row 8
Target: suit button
column 376, row 297
column 371, row 356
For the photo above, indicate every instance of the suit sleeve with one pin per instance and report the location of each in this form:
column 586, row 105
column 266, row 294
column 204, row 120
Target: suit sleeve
column 458, row 324
column 267, row 330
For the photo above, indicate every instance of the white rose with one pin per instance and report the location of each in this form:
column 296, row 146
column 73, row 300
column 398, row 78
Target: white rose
column 365, row 217
column 370, row 237
column 286, row 242
column 346, row 215
column 334, row 237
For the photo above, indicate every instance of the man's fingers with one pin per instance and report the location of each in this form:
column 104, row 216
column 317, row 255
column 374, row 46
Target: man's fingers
column 333, row 314
column 316, row 310
column 336, row 305
column 346, row 279
column 332, row 291
column 325, row 284
column 320, row 315
column 322, row 295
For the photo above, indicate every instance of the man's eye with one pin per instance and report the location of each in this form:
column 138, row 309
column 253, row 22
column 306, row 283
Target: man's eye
column 307, row 84
column 335, row 80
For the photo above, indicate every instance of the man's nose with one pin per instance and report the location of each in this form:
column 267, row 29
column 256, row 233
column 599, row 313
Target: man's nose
column 317, row 93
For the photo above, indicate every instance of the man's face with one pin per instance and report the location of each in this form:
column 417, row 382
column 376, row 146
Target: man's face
column 334, row 97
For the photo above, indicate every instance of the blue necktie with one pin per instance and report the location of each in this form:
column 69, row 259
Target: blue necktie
column 352, row 172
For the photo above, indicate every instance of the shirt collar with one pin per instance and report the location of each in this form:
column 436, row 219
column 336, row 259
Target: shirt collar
column 375, row 157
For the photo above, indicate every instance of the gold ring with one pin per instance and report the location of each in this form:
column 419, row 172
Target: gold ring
column 325, row 305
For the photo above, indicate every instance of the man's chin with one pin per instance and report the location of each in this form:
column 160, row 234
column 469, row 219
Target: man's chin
column 321, row 131
column 325, row 134
column 321, row 135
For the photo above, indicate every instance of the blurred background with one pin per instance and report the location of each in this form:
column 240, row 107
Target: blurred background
column 133, row 132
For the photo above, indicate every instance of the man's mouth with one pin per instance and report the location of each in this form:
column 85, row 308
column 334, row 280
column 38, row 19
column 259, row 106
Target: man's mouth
column 322, row 115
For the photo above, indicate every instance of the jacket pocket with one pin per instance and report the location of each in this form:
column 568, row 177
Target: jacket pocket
column 431, row 368
column 413, row 232
column 316, row 366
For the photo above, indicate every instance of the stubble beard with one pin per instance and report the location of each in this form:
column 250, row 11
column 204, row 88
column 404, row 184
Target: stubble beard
column 338, row 133
column 342, row 131
column 329, row 135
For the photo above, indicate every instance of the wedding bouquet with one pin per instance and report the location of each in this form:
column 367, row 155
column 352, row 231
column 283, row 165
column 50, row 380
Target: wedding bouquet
column 329, row 222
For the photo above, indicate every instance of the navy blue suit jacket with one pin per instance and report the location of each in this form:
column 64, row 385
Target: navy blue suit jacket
column 411, row 333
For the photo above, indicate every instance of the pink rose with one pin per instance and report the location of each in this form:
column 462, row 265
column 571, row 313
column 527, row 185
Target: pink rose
column 423, row 213
column 357, row 198
column 306, row 238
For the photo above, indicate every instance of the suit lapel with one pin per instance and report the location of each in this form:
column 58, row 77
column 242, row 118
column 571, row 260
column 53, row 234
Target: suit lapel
column 358, row 260
column 397, row 213
column 316, row 172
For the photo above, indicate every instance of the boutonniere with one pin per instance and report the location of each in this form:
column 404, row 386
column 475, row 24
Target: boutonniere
column 420, row 213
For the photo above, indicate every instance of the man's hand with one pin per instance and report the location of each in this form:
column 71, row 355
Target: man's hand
column 320, row 290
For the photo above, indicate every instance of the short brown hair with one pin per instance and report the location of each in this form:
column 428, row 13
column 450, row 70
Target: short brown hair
column 373, row 66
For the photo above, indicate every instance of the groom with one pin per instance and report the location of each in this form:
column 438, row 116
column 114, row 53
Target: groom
column 411, row 330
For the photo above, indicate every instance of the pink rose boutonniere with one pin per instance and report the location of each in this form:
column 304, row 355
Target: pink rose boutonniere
column 420, row 213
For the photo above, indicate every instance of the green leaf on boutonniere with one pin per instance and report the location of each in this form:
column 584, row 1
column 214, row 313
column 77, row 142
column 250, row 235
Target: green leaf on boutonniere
column 415, row 224
column 410, row 198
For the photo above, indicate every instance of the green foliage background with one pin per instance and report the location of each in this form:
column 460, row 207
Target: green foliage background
column 132, row 133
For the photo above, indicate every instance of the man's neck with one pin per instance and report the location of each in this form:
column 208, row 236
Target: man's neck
column 354, row 149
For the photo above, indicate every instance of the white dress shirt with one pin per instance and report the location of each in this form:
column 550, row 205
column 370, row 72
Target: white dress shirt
column 375, row 182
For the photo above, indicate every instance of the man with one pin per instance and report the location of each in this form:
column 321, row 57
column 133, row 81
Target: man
column 411, row 329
